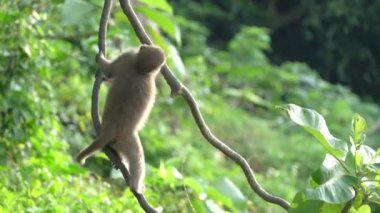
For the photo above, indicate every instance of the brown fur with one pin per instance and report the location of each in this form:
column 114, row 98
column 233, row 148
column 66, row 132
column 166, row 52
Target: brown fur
column 129, row 102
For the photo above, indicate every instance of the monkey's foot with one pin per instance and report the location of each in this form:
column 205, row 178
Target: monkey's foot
column 81, row 160
column 159, row 209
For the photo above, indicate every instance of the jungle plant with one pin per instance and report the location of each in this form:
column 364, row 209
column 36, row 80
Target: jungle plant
column 349, row 178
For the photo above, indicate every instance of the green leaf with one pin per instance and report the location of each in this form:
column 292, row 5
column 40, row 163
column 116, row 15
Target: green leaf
column 358, row 128
column 248, row 95
column 350, row 161
column 330, row 168
column 328, row 207
column 335, row 186
column 163, row 20
column 375, row 197
column 229, row 189
column 367, row 155
column 193, row 184
column 220, row 197
column 301, row 205
column 175, row 61
column 358, row 199
column 159, row 4
column 198, row 205
column 315, row 124
column 337, row 189
column 213, row 207
column 364, row 209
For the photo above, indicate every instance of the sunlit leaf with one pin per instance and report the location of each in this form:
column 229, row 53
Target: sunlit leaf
column 315, row 124
column 213, row 207
column 159, row 4
column 337, row 189
column 358, row 199
column 358, row 127
column 163, row 20
column 335, row 186
column 228, row 188
column 248, row 95
column 367, row 155
column 27, row 50
column 193, row 184
column 176, row 61
column 216, row 195
column 198, row 205
column 162, row 170
column 364, row 209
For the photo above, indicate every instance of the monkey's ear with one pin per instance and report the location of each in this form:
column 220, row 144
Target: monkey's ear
column 149, row 58
column 104, row 65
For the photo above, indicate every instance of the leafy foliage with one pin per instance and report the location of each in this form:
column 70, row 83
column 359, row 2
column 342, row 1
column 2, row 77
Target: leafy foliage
column 341, row 180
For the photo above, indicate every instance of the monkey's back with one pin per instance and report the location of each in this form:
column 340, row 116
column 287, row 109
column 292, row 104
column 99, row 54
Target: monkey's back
column 129, row 102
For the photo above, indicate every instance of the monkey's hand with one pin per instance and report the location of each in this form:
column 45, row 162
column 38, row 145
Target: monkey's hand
column 104, row 66
column 99, row 56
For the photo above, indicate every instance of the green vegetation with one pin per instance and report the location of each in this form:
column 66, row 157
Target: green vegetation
column 47, row 69
column 348, row 178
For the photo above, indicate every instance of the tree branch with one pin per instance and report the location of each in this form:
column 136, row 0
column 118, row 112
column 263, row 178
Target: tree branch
column 178, row 89
column 95, row 108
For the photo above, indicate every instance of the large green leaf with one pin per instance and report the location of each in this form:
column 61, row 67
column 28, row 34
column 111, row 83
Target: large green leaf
column 329, row 169
column 338, row 189
column 315, row 124
column 159, row 4
column 163, row 20
column 334, row 184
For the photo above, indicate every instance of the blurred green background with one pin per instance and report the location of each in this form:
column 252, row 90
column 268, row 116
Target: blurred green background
column 239, row 58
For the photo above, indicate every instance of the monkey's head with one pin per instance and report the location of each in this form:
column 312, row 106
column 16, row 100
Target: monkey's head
column 143, row 60
column 149, row 58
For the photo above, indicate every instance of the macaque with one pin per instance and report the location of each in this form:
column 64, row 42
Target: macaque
column 129, row 101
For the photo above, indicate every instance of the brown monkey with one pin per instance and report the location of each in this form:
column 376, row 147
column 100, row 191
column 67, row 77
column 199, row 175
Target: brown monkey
column 129, row 101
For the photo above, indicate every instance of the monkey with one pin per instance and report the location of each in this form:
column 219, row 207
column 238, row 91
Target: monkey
column 129, row 101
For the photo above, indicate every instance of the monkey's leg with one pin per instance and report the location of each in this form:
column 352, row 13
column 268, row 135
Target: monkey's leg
column 132, row 150
column 98, row 144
